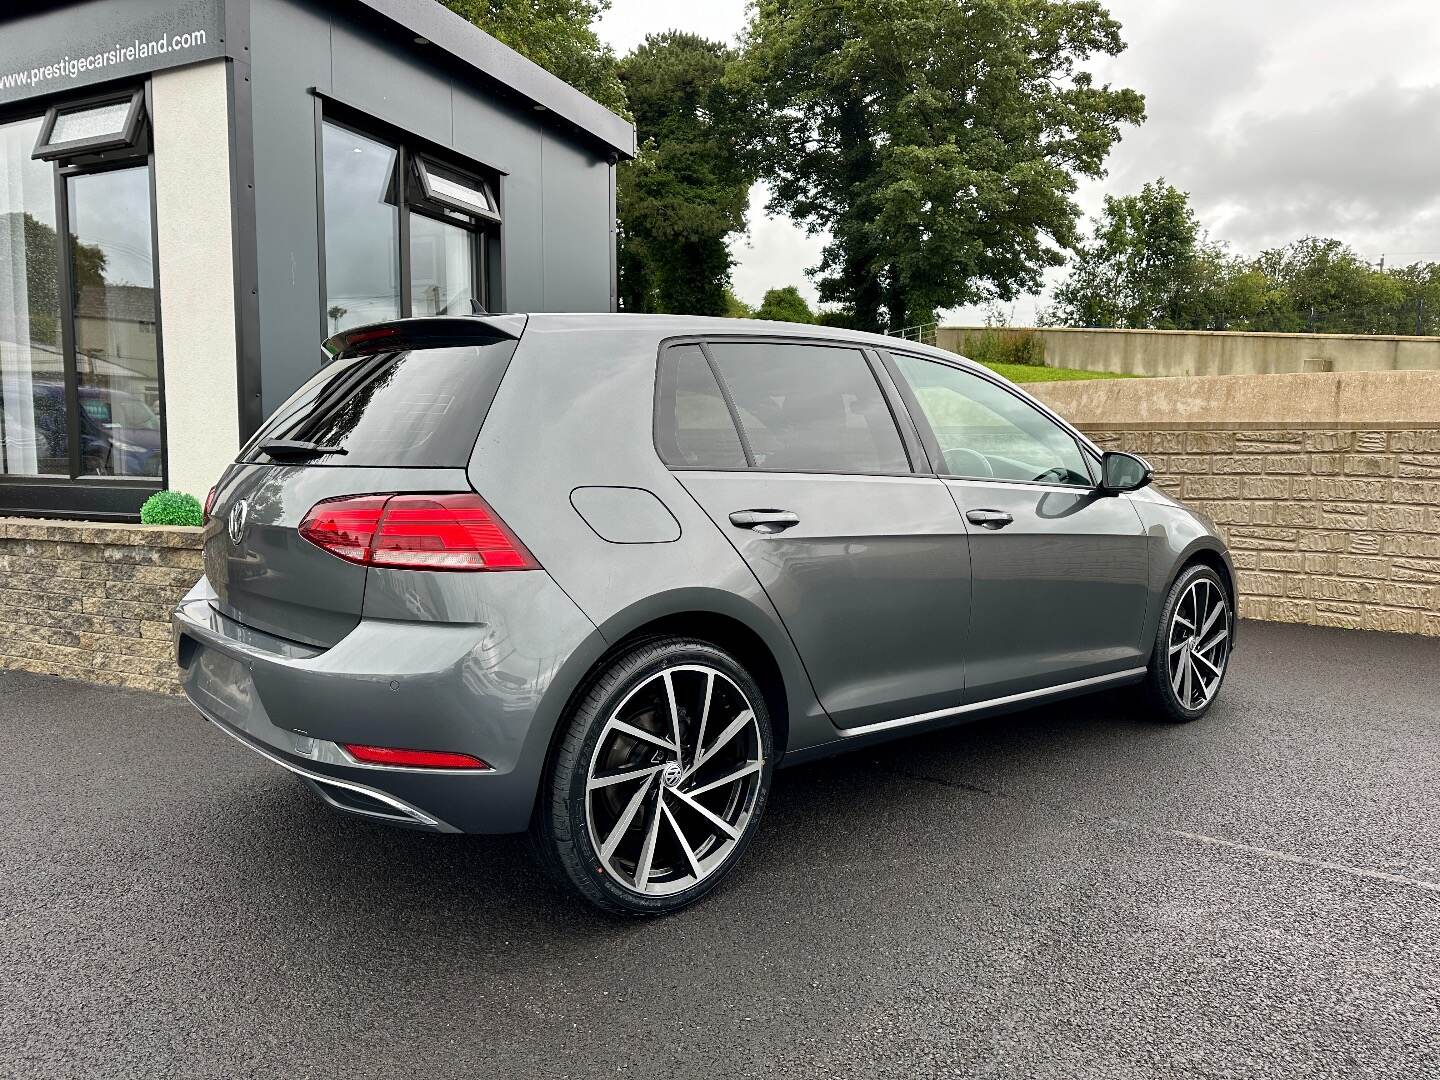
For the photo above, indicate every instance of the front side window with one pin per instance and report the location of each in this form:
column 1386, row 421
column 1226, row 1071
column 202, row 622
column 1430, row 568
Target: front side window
column 403, row 235
column 810, row 408
column 985, row 432
column 34, row 433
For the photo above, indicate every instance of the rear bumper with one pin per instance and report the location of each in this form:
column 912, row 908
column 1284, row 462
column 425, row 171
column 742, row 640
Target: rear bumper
column 346, row 795
column 494, row 689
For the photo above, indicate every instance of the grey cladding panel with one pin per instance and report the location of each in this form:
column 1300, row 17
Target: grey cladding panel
column 372, row 76
column 290, row 48
column 496, row 135
column 577, row 242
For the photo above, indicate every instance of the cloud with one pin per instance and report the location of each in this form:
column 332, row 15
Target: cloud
column 1282, row 118
column 1363, row 168
column 774, row 253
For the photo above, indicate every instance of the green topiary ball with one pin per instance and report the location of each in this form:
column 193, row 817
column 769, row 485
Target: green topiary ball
column 172, row 508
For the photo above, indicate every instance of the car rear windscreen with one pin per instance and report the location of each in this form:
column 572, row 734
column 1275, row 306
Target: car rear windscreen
column 418, row 407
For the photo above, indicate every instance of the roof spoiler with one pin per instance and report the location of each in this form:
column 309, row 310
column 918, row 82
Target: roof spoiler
column 450, row 329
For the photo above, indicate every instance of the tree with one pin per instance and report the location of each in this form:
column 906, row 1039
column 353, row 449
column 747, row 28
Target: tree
column 735, row 308
column 1147, row 266
column 557, row 35
column 785, row 305
column 1330, row 289
column 938, row 143
column 688, row 188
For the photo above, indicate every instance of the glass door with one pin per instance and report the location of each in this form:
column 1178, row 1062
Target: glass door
column 442, row 267
column 34, row 434
column 116, row 424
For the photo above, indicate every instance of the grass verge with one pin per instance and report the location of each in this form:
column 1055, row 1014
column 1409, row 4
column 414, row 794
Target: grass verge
column 1023, row 373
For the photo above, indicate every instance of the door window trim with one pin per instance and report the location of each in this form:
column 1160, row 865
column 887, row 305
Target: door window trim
column 1089, row 454
column 909, row 439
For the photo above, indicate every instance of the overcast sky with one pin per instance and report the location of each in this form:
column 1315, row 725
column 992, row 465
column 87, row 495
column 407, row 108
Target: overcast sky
column 1282, row 118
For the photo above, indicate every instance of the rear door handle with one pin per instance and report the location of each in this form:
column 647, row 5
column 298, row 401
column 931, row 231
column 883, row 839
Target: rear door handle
column 764, row 521
column 988, row 519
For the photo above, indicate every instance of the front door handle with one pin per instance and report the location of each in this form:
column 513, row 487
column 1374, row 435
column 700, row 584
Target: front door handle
column 764, row 521
column 988, row 519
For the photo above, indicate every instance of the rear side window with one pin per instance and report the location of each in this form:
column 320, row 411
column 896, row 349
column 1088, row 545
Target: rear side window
column 693, row 428
column 418, row 407
column 810, row 408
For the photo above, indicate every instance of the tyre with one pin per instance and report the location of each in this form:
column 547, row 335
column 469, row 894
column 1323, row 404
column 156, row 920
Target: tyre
column 659, row 781
column 1192, row 647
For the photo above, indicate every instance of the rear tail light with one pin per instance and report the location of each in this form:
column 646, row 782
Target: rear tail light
column 416, row 532
column 413, row 759
column 209, row 502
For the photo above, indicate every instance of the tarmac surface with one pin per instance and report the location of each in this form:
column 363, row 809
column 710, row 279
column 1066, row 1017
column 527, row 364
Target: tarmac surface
column 1066, row 892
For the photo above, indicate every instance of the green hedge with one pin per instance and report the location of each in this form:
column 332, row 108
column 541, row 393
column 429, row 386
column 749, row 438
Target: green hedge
column 172, row 508
column 1001, row 346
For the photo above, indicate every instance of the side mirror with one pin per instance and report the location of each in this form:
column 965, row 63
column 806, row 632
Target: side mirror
column 1123, row 472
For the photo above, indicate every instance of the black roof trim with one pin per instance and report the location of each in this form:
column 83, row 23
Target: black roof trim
column 445, row 30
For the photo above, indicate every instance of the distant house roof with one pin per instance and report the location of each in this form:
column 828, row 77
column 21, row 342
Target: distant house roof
column 498, row 63
column 124, row 303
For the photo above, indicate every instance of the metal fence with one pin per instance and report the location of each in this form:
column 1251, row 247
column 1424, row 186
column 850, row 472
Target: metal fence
column 923, row 333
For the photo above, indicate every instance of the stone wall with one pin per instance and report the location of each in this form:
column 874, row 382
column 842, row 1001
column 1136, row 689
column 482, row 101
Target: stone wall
column 1209, row 352
column 93, row 602
column 1326, row 487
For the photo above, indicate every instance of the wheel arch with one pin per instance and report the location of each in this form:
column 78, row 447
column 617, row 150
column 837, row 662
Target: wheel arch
column 1207, row 552
column 734, row 637
column 1215, row 559
column 752, row 635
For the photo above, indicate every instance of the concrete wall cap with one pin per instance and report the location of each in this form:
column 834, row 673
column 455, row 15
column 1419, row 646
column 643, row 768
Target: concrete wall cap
column 1345, row 398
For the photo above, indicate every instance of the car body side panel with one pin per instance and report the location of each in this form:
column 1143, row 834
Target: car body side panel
column 873, row 583
column 575, row 410
column 1060, row 592
column 1176, row 534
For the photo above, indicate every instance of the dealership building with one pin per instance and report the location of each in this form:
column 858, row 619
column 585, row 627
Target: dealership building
column 195, row 193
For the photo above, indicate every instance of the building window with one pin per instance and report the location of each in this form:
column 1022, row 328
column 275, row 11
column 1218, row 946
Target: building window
column 90, row 126
column 80, row 387
column 117, row 365
column 34, row 432
column 404, row 234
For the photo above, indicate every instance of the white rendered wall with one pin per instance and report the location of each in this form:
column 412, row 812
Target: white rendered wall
column 197, row 277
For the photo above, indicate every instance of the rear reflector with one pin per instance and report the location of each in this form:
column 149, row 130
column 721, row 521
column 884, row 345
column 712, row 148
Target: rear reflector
column 416, row 532
column 413, row 759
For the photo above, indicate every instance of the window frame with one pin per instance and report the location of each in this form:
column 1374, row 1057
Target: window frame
column 45, row 150
column 485, row 231
column 1089, row 454
column 425, row 162
column 904, row 427
column 77, row 496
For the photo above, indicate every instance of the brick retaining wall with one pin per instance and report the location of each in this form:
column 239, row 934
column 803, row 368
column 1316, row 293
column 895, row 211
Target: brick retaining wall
column 1326, row 486
column 92, row 601
column 1333, row 528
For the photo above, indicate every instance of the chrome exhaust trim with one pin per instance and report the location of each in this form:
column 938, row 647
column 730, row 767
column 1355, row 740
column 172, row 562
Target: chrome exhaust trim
column 403, row 812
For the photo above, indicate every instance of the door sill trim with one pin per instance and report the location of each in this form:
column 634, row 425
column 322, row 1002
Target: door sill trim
column 1128, row 675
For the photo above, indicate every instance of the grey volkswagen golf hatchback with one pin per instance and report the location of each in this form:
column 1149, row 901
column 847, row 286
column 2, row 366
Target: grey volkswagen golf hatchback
column 597, row 576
